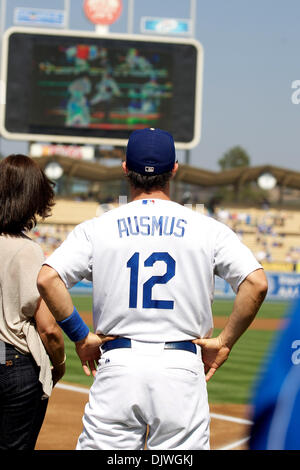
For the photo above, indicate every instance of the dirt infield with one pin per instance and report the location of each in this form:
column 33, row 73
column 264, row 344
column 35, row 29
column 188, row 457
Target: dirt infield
column 267, row 324
column 62, row 425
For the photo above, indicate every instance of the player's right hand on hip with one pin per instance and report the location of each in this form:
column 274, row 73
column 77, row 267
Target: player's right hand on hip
column 214, row 354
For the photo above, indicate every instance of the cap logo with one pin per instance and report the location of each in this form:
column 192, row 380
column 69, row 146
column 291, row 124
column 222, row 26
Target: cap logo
column 150, row 151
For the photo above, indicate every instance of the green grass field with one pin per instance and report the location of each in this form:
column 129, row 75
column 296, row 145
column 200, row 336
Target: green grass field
column 268, row 309
column 233, row 382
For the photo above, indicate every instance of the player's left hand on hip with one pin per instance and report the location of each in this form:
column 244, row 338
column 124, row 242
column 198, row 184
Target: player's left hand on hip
column 214, row 354
column 88, row 350
column 105, row 338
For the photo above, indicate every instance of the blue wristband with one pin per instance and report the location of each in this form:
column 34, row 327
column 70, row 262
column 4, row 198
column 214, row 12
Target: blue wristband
column 74, row 326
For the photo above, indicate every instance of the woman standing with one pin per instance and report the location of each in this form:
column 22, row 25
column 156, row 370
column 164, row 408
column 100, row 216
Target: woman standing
column 29, row 335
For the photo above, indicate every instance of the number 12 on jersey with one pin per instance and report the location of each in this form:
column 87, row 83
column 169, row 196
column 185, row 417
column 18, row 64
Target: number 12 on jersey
column 133, row 264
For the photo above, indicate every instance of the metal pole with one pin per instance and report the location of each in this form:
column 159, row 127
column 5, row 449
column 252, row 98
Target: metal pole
column 3, row 21
column 2, row 85
column 130, row 16
column 67, row 14
column 193, row 21
column 101, row 29
column 187, row 156
column 193, row 12
column 3, row 17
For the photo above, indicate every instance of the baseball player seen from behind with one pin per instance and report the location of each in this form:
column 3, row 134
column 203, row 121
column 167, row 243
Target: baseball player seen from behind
column 152, row 263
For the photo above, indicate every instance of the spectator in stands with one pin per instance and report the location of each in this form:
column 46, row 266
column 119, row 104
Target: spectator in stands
column 29, row 335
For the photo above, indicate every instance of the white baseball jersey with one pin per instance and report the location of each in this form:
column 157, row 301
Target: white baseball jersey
column 152, row 264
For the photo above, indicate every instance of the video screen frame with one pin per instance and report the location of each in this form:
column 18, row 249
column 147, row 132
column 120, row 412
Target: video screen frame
column 76, row 138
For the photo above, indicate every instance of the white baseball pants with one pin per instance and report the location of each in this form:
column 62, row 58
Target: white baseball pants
column 147, row 385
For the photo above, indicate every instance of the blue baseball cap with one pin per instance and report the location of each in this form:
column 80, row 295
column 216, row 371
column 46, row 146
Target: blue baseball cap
column 150, row 151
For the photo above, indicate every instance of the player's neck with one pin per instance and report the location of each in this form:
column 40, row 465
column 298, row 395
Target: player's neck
column 158, row 194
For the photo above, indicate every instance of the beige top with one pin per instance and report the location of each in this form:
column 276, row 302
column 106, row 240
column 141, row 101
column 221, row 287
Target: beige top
column 20, row 261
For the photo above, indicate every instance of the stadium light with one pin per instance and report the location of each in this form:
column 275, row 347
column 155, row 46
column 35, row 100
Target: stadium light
column 53, row 171
column 266, row 181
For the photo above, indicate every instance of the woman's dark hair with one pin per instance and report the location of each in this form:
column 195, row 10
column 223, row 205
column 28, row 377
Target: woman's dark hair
column 149, row 183
column 25, row 192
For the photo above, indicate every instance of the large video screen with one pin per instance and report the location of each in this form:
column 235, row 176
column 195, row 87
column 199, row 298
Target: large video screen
column 100, row 88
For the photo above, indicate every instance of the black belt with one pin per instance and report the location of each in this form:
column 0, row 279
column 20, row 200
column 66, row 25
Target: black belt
column 126, row 343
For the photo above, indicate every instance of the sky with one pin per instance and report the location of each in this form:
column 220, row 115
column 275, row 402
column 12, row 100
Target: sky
column 251, row 61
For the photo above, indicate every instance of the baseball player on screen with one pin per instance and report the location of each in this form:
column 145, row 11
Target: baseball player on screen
column 152, row 263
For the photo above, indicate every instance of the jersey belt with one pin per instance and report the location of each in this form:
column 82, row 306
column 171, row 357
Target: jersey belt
column 126, row 343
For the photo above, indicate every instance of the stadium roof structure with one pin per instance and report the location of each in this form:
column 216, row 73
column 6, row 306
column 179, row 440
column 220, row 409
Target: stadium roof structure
column 94, row 171
column 238, row 176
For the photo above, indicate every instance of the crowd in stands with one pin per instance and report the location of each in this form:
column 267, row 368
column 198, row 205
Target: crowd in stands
column 272, row 235
column 50, row 236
